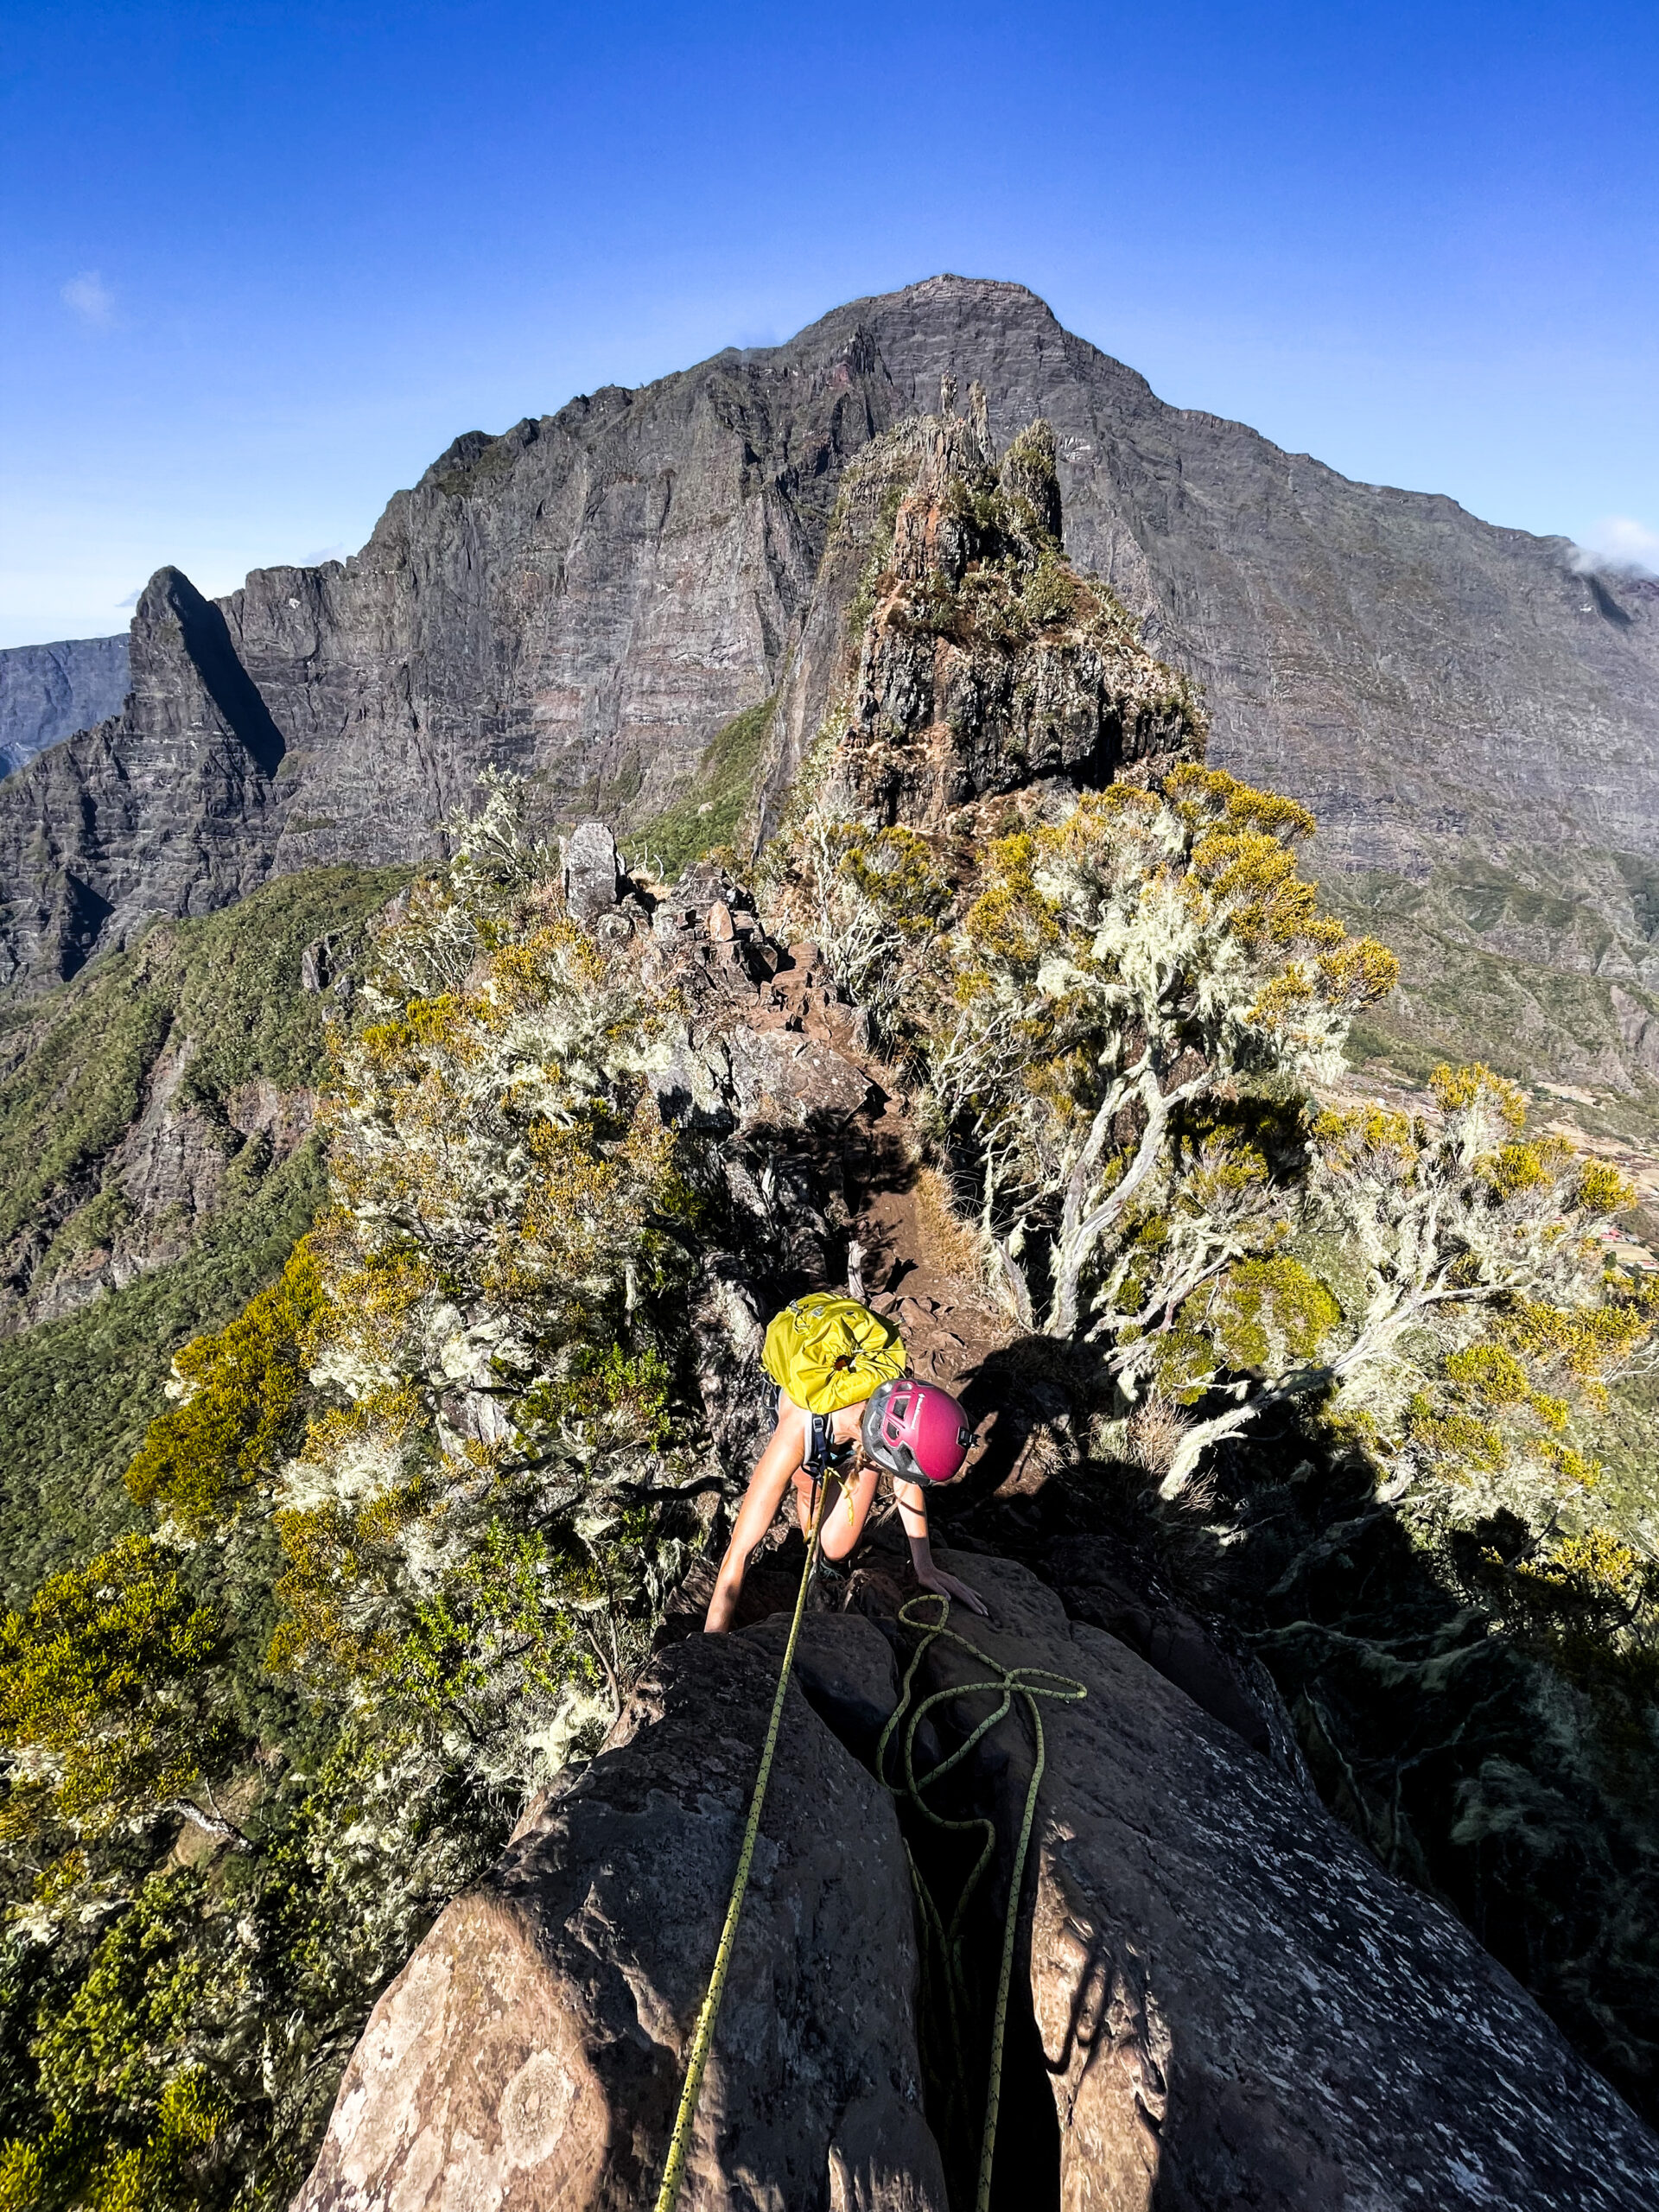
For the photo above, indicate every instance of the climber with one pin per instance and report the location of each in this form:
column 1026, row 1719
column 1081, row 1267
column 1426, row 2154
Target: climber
column 848, row 1413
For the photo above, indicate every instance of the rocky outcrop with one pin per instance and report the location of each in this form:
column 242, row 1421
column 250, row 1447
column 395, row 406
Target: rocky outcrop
column 1237, row 2007
column 529, row 2057
column 49, row 692
column 983, row 663
column 592, row 595
column 1222, row 2000
column 170, row 808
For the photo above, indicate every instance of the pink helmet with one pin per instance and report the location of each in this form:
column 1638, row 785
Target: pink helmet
column 916, row 1431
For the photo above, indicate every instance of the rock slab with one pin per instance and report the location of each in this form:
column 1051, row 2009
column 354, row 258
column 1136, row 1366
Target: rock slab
column 1239, row 2007
column 1230, row 2004
column 530, row 2055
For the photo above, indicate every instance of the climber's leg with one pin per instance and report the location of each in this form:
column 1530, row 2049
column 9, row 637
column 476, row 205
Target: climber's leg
column 773, row 1471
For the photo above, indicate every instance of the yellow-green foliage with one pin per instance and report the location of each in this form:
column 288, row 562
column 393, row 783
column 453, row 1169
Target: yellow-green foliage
column 451, row 1414
column 868, row 896
column 896, row 870
column 1592, row 1569
column 1116, row 972
column 436, row 1395
column 126, row 2130
column 102, row 1707
column 1266, row 1317
column 1491, row 1329
column 240, row 1392
column 507, row 1598
column 712, row 812
column 1200, row 879
column 1119, row 983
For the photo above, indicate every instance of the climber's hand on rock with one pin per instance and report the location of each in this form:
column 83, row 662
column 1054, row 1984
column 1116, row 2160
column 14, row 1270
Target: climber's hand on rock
column 948, row 1587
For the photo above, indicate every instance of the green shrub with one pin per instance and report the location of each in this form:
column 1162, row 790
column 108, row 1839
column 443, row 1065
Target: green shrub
column 712, row 812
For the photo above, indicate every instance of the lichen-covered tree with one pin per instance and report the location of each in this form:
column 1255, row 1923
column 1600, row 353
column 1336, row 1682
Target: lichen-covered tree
column 436, row 1451
column 1123, row 1039
column 1116, row 977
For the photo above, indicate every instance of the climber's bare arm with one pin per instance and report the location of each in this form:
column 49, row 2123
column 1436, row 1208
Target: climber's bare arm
column 913, row 1518
column 846, row 1508
column 774, row 1471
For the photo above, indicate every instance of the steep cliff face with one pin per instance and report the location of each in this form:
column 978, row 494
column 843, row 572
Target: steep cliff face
column 48, row 692
column 591, row 596
column 588, row 599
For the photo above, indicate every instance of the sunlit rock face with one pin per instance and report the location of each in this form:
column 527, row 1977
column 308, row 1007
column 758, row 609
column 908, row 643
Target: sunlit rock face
column 592, row 595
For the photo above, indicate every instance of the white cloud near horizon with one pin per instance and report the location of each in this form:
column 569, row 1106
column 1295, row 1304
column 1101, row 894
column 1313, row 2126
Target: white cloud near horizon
column 88, row 296
column 1620, row 542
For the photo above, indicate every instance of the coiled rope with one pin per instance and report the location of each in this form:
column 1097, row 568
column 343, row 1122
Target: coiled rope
column 702, row 2039
column 1031, row 1683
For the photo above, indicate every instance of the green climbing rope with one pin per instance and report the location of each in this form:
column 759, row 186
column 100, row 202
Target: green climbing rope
column 702, row 2039
column 1030, row 1684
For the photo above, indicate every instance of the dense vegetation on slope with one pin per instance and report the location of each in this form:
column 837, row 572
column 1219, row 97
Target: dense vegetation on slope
column 77, row 1394
column 390, row 1561
column 132, row 1248
column 713, row 808
column 400, row 1542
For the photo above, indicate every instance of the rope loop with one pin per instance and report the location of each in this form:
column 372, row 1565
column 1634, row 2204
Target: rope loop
column 1031, row 1684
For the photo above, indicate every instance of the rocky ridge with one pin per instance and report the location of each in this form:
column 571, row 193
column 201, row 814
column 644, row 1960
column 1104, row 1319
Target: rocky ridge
column 591, row 596
column 1222, row 1996
column 1221, row 2000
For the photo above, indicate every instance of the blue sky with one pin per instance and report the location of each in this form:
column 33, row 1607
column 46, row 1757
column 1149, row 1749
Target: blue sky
column 259, row 262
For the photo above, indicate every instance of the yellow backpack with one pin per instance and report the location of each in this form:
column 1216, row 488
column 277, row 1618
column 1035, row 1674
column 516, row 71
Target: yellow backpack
column 828, row 1351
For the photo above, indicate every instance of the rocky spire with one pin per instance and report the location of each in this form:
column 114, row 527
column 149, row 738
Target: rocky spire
column 977, row 659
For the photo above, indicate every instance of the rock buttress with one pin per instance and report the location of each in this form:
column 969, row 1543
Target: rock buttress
column 1238, row 2006
column 530, row 2055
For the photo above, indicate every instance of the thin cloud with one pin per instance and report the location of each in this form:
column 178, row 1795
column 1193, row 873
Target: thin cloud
column 88, row 296
column 132, row 599
column 1620, row 545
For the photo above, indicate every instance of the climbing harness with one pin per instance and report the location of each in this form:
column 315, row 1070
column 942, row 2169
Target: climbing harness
column 702, row 2038
column 824, row 1457
column 1030, row 1684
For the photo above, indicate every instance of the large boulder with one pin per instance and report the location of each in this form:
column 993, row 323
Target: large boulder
column 593, row 871
column 530, row 2055
column 1238, row 2006
column 1222, row 2000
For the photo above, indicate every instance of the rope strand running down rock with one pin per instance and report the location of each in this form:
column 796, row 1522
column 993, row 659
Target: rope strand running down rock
column 702, row 2038
column 1030, row 1684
